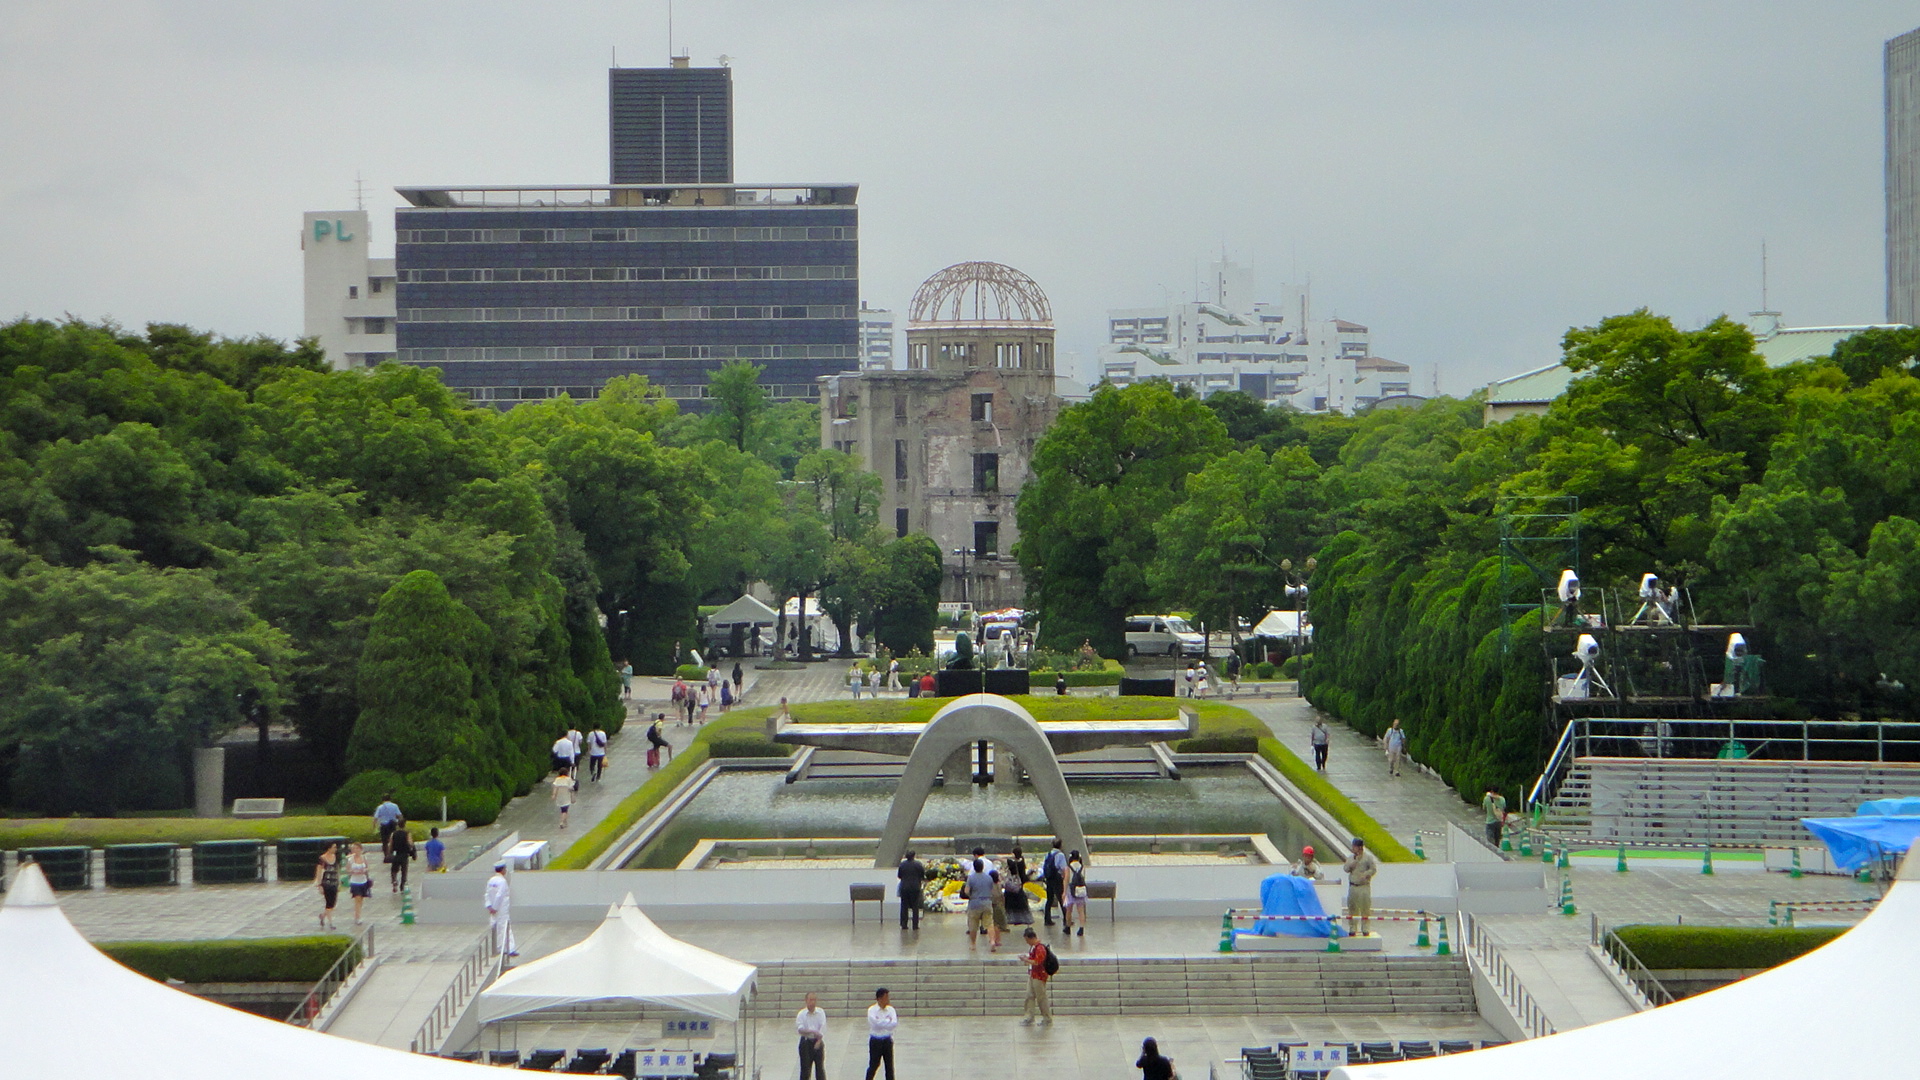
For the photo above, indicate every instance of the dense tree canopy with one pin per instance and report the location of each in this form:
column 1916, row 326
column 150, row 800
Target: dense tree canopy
column 197, row 532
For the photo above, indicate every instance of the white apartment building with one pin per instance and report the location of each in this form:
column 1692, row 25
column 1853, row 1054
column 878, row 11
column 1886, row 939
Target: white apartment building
column 876, row 338
column 350, row 298
column 1273, row 352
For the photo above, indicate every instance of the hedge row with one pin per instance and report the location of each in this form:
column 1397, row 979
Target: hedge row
column 1320, row 790
column 364, row 791
column 18, row 833
column 284, row 959
column 1664, row 948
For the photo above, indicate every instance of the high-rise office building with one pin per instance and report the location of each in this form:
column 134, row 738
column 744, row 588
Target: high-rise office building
column 1903, row 177
column 671, row 125
column 525, row 293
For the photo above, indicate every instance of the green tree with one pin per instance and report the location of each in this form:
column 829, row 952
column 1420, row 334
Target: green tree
column 111, row 672
column 739, row 402
column 419, row 682
column 908, row 607
column 1221, row 549
column 1104, row 474
column 1876, row 351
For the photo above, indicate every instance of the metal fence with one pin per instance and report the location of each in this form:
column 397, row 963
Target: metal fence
column 480, row 968
column 1636, row 972
column 1486, row 957
column 317, row 999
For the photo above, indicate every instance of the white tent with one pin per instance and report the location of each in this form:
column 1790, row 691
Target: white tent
column 1840, row 1010
column 68, row 1010
column 627, row 959
column 747, row 611
column 1281, row 624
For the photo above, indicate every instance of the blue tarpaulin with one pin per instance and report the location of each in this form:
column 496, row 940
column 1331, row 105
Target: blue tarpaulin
column 1857, row 841
column 1284, row 894
column 1908, row 807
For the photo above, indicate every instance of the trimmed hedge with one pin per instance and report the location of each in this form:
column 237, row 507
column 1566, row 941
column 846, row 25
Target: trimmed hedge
column 595, row 841
column 284, row 959
column 1110, row 674
column 1316, row 787
column 18, row 833
column 1667, row 947
column 691, row 673
column 363, row 791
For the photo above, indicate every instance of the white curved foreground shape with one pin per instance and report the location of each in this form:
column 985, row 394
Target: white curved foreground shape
column 67, row 1010
column 1844, row 1009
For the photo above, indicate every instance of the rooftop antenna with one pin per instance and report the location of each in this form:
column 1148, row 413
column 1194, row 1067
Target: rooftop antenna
column 359, row 191
column 616, row 54
column 1764, row 323
column 670, row 53
column 1763, row 275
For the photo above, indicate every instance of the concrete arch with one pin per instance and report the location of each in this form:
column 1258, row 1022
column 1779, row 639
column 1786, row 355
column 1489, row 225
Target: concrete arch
column 969, row 719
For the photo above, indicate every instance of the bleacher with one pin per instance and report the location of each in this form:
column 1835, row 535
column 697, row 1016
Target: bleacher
column 597, row 1061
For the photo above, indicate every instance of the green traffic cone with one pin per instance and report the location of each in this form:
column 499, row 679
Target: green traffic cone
column 1706, row 859
column 1620, row 864
column 406, row 905
column 1421, row 942
column 1566, row 895
column 1420, row 852
column 1442, row 948
column 1795, row 872
column 1333, row 940
column 1563, row 856
column 1226, row 932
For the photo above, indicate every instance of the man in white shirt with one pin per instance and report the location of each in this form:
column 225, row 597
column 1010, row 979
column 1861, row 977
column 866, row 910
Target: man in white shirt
column 563, row 755
column 499, row 911
column 578, row 740
column 812, row 1026
column 596, row 752
column 881, row 1021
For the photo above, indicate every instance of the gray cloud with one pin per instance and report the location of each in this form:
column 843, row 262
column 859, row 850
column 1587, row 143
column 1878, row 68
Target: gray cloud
column 1467, row 179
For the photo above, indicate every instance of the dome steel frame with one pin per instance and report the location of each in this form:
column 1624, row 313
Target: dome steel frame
column 980, row 294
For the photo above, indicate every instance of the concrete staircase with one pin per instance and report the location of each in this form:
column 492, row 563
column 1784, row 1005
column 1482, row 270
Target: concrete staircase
column 1737, row 802
column 1221, row 985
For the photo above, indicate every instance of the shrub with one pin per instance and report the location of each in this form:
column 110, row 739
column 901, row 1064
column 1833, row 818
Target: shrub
column 746, row 744
column 99, row 832
column 1290, row 669
column 363, row 791
column 1263, row 670
column 475, row 806
column 691, row 673
column 1224, row 730
column 1351, row 817
column 284, row 959
column 1666, row 947
column 417, row 685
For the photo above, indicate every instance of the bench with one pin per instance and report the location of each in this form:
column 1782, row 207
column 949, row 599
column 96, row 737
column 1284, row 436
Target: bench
column 857, row 892
column 259, row 808
column 1108, row 891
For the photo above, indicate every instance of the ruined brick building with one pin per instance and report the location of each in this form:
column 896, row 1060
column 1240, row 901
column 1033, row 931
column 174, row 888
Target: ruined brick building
column 952, row 434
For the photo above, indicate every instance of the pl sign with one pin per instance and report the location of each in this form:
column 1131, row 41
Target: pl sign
column 322, row 228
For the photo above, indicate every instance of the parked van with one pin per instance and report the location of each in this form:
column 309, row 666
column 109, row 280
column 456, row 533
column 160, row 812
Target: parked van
column 1163, row 635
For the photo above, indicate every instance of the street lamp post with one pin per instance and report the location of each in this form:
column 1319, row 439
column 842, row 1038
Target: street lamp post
column 1297, row 592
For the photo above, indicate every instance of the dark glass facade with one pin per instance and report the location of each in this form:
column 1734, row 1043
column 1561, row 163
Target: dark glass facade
column 671, row 125
column 526, row 303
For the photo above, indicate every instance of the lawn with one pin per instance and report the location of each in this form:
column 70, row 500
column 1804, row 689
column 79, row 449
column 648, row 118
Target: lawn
column 16, row 833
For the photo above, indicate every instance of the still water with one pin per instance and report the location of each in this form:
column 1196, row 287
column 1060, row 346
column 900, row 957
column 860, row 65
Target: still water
column 738, row 805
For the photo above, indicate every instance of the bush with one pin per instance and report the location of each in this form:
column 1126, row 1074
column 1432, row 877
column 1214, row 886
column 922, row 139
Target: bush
column 18, row 833
column 1263, row 670
column 691, row 673
column 363, row 791
column 1351, row 817
column 1749, row 947
column 1224, row 730
column 1290, row 669
column 746, row 744
column 284, row 959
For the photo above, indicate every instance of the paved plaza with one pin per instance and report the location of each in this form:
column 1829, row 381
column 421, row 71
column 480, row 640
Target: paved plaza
column 1547, row 948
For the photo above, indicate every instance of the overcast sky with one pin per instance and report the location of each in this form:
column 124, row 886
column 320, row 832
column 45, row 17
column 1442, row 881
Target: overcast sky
column 1468, row 179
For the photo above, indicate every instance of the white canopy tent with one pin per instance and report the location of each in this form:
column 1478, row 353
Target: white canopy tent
column 1282, row 624
column 627, row 959
column 1841, row 1010
column 68, row 1010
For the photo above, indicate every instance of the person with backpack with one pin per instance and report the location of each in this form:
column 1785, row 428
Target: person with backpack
column 657, row 742
column 1042, row 965
column 1076, row 898
column 1053, row 877
column 596, row 752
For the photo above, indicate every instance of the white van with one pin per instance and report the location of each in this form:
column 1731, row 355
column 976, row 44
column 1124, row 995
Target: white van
column 1163, row 635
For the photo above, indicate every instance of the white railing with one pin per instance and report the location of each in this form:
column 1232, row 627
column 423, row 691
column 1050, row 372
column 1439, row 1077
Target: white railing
column 1486, row 957
column 480, row 968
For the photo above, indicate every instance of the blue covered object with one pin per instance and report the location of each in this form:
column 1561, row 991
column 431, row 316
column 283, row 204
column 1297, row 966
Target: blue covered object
column 1857, row 841
column 1284, row 894
column 1907, row 807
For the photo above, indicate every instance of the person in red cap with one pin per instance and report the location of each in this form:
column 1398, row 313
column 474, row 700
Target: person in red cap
column 1308, row 867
